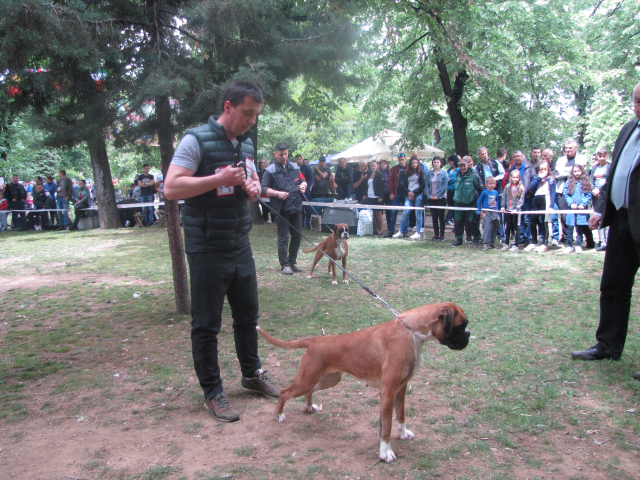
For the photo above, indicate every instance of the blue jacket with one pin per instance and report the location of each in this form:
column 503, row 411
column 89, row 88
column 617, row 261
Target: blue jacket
column 452, row 178
column 579, row 198
column 443, row 182
column 535, row 182
column 51, row 188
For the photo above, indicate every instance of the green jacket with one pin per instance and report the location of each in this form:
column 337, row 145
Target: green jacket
column 467, row 188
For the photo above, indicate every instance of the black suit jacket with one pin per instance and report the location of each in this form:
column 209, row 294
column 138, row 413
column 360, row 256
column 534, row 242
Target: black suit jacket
column 604, row 205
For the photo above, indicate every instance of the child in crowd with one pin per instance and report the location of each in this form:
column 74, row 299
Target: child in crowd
column 598, row 175
column 488, row 206
column 4, row 211
column 512, row 199
column 577, row 193
column 543, row 189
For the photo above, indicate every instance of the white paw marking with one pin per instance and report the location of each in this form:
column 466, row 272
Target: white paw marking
column 314, row 408
column 309, row 276
column 386, row 454
column 334, row 282
column 281, row 417
column 346, row 282
column 404, row 433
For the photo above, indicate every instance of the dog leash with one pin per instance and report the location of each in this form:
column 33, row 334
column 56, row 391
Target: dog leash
column 364, row 287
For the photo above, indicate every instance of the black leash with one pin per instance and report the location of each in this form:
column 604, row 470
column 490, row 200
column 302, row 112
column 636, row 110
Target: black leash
column 364, row 287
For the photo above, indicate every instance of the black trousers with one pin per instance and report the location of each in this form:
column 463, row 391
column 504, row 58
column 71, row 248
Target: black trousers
column 621, row 262
column 539, row 228
column 387, row 213
column 80, row 213
column 511, row 227
column 288, row 258
column 214, row 275
column 437, row 215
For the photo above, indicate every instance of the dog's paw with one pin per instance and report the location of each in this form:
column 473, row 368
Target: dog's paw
column 281, row 418
column 404, row 433
column 309, row 276
column 346, row 282
column 386, row 454
column 334, row 282
column 314, row 408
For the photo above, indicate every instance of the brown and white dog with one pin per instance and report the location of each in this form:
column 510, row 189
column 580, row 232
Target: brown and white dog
column 385, row 356
column 335, row 245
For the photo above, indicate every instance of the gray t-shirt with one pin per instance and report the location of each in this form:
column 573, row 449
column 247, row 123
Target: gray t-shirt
column 187, row 154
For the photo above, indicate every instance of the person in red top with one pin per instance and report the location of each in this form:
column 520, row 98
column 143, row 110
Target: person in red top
column 398, row 189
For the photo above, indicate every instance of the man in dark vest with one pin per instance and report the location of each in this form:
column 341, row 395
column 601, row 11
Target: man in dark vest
column 216, row 224
column 283, row 182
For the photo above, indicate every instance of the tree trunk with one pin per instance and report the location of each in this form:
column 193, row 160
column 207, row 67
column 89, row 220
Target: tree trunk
column 453, row 97
column 171, row 207
column 103, row 183
column 582, row 100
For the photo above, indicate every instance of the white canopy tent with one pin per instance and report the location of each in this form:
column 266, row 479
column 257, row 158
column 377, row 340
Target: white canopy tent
column 382, row 146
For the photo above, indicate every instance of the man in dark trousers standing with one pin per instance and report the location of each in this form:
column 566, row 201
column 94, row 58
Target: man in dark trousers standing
column 216, row 223
column 618, row 207
column 15, row 194
column 285, row 184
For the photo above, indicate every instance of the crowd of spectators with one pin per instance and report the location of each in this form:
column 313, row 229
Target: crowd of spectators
column 492, row 196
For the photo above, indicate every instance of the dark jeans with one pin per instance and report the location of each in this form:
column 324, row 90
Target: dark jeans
column 214, row 275
column 511, row 227
column 451, row 204
column 39, row 219
column 80, row 213
column 621, row 262
column 295, row 219
column 16, row 217
column 539, row 228
column 562, row 205
column 580, row 230
column 437, row 215
column 525, row 226
column 397, row 202
column 387, row 213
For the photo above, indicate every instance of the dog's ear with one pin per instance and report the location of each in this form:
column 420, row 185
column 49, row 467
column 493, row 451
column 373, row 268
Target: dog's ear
column 446, row 316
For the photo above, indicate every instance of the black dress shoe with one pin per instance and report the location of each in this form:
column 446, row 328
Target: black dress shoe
column 636, row 375
column 601, row 248
column 295, row 268
column 593, row 353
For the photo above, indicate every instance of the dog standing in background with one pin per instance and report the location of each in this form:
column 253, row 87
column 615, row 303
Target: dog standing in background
column 384, row 356
column 335, row 245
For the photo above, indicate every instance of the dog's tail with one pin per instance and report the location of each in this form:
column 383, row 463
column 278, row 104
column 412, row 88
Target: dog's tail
column 304, row 343
column 309, row 250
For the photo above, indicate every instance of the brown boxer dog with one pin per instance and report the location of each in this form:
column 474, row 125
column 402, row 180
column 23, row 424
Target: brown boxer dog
column 385, row 356
column 335, row 245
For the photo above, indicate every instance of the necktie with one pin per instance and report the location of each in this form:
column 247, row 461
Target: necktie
column 620, row 184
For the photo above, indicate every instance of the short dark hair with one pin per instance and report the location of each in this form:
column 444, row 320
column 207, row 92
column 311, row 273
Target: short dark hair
column 281, row 146
column 236, row 92
column 145, row 165
column 535, row 147
column 49, row 177
column 454, row 159
column 83, row 181
column 63, row 171
column 298, row 155
column 322, row 159
column 501, row 152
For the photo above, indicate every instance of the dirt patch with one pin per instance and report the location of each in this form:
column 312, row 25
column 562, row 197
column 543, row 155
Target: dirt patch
column 33, row 281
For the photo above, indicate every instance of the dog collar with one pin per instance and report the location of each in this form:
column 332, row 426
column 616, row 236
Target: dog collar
column 419, row 336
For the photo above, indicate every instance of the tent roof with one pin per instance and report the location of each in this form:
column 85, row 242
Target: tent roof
column 382, row 146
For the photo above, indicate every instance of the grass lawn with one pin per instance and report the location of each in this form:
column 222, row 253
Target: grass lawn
column 96, row 382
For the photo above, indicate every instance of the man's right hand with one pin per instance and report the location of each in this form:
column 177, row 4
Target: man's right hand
column 392, row 196
column 232, row 176
column 594, row 222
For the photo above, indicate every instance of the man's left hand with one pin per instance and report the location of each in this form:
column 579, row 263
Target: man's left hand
column 302, row 187
column 251, row 188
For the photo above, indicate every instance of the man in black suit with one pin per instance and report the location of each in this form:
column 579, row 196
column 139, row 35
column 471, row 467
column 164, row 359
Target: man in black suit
column 619, row 208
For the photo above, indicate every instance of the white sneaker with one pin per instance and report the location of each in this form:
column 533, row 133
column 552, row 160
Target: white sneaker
column 37, row 227
column 554, row 243
column 568, row 250
column 505, row 248
column 268, row 221
column 514, row 249
column 541, row 249
column 415, row 236
column 397, row 235
column 530, row 248
column 415, row 229
column 578, row 249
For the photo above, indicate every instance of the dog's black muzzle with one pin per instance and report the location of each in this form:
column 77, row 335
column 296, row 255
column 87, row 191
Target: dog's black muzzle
column 459, row 338
column 344, row 235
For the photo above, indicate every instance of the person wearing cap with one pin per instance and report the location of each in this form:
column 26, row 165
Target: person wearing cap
column 217, row 222
column 284, row 184
column 398, row 189
column 321, row 174
column 466, row 195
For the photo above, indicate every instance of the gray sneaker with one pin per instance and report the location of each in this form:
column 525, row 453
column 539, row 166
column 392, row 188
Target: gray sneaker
column 287, row 271
column 260, row 384
column 221, row 409
column 295, row 268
